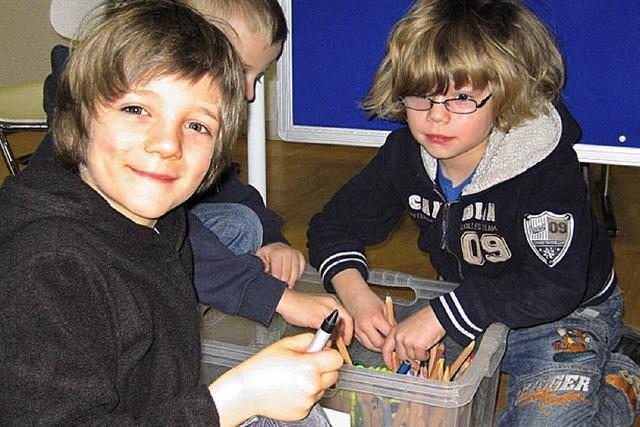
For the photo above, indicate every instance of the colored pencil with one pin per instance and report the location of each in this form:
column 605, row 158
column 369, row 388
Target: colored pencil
column 461, row 358
column 391, row 318
column 432, row 359
column 439, row 354
column 342, row 349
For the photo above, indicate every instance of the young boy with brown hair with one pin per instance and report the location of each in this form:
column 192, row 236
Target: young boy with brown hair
column 486, row 169
column 241, row 257
column 99, row 320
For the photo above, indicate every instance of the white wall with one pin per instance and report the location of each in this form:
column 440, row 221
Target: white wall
column 271, row 103
column 26, row 41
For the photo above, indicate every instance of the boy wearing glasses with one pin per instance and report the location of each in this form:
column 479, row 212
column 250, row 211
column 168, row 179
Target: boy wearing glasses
column 485, row 168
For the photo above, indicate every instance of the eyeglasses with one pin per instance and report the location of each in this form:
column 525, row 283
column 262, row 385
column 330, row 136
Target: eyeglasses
column 461, row 105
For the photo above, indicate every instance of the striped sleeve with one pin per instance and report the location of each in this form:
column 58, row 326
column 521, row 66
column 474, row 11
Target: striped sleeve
column 337, row 262
column 454, row 319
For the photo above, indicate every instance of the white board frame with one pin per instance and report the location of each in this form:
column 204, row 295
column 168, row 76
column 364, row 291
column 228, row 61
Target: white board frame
column 289, row 131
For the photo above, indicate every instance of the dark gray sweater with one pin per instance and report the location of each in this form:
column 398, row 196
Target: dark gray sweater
column 235, row 284
column 98, row 314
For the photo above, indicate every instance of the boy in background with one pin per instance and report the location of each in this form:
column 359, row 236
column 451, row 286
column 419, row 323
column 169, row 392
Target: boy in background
column 97, row 242
column 486, row 170
column 241, row 257
column 258, row 31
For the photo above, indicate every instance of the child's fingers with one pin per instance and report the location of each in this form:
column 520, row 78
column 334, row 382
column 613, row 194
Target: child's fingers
column 292, row 271
column 387, row 350
column 420, row 353
column 302, row 264
column 276, row 268
column 328, row 379
column 405, row 352
column 365, row 341
column 327, row 360
column 347, row 330
column 345, row 326
column 298, row 343
column 381, row 325
column 374, row 337
column 285, row 269
column 265, row 262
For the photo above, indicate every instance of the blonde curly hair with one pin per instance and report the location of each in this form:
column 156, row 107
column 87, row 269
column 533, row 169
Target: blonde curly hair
column 495, row 44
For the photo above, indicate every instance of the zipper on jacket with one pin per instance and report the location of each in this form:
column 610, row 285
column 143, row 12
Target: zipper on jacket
column 444, row 226
column 444, row 245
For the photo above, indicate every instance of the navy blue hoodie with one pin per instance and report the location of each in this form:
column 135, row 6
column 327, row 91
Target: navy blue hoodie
column 521, row 239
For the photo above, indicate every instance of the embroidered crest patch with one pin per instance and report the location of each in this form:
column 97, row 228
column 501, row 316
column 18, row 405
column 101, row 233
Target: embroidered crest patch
column 549, row 235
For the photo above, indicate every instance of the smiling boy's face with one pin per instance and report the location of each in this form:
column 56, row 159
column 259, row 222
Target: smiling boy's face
column 150, row 149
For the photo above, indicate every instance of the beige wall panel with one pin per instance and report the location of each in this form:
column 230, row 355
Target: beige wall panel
column 26, row 41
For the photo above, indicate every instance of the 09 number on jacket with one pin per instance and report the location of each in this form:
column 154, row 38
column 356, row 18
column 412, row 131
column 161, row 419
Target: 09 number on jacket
column 476, row 249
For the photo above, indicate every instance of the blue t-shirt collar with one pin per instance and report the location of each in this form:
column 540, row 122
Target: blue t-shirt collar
column 450, row 192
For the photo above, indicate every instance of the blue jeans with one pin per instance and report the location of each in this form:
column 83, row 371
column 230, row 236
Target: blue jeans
column 237, row 226
column 558, row 372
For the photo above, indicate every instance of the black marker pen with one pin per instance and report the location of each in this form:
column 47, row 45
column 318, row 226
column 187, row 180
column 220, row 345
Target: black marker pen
column 324, row 333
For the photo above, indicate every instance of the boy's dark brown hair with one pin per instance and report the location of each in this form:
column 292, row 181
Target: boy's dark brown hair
column 496, row 44
column 136, row 42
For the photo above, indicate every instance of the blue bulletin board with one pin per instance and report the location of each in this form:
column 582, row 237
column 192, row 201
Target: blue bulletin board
column 335, row 47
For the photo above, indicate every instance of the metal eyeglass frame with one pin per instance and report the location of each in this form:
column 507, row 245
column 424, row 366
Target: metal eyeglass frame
column 445, row 103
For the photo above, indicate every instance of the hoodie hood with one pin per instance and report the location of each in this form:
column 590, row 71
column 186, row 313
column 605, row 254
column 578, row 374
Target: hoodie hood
column 46, row 191
column 512, row 153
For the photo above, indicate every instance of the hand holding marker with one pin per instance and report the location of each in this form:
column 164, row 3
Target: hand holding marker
column 324, row 333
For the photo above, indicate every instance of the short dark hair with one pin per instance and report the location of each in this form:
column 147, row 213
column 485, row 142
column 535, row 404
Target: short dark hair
column 136, row 42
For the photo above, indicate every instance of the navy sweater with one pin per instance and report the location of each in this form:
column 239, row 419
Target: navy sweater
column 521, row 240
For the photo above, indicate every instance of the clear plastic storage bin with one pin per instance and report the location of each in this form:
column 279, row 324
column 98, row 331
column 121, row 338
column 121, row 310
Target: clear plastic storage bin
column 374, row 398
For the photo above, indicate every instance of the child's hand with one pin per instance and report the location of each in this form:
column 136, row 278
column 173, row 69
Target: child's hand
column 367, row 309
column 282, row 261
column 309, row 310
column 413, row 337
column 282, row 381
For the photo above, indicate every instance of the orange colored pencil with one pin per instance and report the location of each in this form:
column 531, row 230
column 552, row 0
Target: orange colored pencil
column 439, row 354
column 342, row 349
column 466, row 364
column 432, row 359
column 438, row 369
column 391, row 318
column 462, row 357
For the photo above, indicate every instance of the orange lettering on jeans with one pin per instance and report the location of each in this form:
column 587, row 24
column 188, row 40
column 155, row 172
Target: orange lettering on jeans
column 547, row 397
